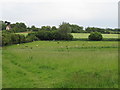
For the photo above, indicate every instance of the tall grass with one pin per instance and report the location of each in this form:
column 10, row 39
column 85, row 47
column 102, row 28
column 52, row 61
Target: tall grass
column 61, row 64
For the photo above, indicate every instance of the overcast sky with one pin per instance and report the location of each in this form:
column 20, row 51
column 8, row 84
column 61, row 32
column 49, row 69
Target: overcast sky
column 97, row 13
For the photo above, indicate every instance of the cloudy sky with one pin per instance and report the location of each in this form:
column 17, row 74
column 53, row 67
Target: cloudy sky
column 97, row 13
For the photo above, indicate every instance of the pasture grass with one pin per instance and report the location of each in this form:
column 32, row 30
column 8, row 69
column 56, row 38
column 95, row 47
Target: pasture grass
column 23, row 33
column 61, row 64
column 0, row 67
column 85, row 35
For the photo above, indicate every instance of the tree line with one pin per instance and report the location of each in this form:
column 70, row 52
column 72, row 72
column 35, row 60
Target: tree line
column 22, row 27
column 63, row 33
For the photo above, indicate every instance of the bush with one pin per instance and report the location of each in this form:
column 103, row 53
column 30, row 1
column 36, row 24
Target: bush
column 43, row 35
column 17, row 38
column 65, row 28
column 95, row 36
column 6, row 38
column 22, row 39
column 31, row 37
column 12, row 38
column 53, row 35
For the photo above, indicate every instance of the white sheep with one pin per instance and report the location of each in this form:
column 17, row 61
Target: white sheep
column 37, row 45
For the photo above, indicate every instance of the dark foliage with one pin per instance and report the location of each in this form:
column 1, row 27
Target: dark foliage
column 11, row 38
column 53, row 35
column 95, row 36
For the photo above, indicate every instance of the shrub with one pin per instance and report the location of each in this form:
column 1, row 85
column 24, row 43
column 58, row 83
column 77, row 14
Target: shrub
column 17, row 38
column 31, row 37
column 22, row 39
column 42, row 35
column 51, row 35
column 95, row 36
column 6, row 38
column 65, row 28
column 12, row 38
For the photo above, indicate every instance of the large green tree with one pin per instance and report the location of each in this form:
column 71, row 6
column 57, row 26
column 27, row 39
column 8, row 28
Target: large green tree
column 76, row 29
column 18, row 27
column 65, row 28
column 3, row 26
column 47, row 28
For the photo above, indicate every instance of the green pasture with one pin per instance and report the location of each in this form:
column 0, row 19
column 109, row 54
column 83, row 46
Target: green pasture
column 0, row 67
column 61, row 64
column 85, row 35
column 23, row 33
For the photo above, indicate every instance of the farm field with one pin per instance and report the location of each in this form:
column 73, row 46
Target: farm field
column 61, row 64
column 85, row 35
column 0, row 67
column 23, row 33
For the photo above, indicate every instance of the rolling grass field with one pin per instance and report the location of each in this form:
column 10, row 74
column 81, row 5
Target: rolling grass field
column 85, row 35
column 61, row 64
column 0, row 67
column 23, row 33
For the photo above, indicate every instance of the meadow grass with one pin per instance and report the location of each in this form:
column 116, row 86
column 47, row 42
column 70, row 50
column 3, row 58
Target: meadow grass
column 85, row 35
column 23, row 33
column 61, row 64
column 0, row 67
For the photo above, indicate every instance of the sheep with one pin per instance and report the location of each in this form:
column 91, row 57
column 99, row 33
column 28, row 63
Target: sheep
column 37, row 45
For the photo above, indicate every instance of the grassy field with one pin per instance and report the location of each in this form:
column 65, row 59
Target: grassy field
column 23, row 33
column 0, row 62
column 63, row 64
column 82, row 35
column 0, row 67
column 85, row 35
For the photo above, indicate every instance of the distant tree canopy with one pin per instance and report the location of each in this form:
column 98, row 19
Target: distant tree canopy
column 46, row 28
column 76, row 29
column 101, row 30
column 18, row 27
column 3, row 25
column 54, row 28
column 33, row 28
column 64, row 28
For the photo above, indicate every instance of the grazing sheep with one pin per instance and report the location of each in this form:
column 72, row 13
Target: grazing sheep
column 61, row 46
column 37, row 45
column 18, row 44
